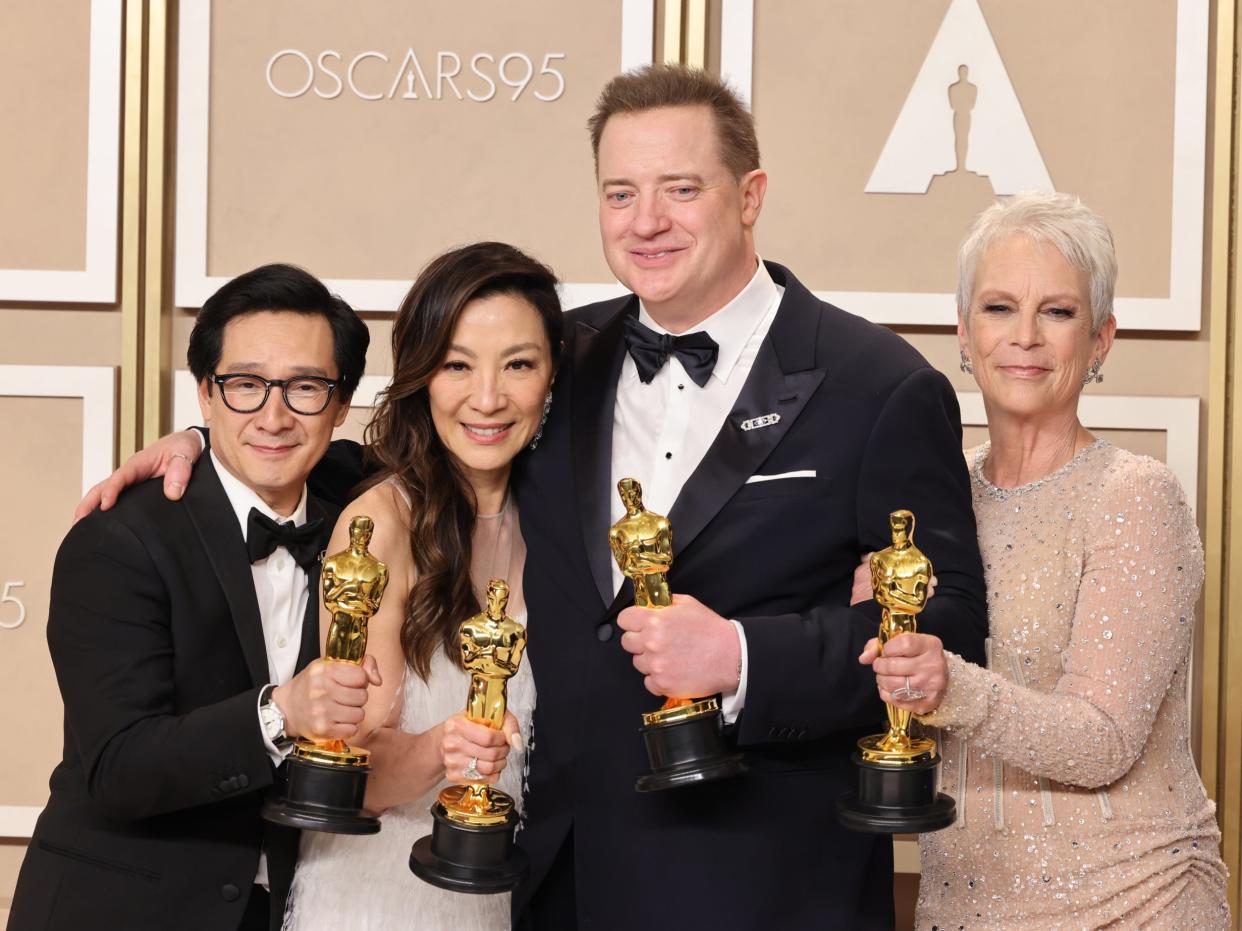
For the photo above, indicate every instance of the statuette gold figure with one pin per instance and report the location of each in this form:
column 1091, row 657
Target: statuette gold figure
column 470, row 847
column 492, row 644
column 900, row 575
column 642, row 544
column 353, row 584
column 684, row 736
column 898, row 775
column 326, row 779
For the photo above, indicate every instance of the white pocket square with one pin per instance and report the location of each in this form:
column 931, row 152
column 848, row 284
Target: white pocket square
column 801, row 473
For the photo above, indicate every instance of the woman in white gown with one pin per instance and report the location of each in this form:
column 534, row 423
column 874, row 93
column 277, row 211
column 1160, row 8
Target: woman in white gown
column 475, row 345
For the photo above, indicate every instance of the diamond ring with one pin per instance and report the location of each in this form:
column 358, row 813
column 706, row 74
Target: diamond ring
column 908, row 692
column 472, row 769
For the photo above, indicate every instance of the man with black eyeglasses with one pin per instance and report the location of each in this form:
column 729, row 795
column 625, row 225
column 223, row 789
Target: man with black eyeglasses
column 177, row 629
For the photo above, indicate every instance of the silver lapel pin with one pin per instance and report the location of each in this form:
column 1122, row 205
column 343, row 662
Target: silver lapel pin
column 765, row 421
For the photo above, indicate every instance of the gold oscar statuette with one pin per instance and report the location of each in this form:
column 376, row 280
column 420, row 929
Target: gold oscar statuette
column 684, row 736
column 326, row 778
column 491, row 651
column 900, row 575
column 353, row 583
column 471, row 846
column 898, row 773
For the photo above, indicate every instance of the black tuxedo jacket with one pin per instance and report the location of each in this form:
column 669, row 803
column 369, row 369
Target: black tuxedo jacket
column 153, row 820
column 880, row 429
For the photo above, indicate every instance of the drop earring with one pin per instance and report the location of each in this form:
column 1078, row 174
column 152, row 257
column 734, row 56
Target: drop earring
column 547, row 406
column 966, row 366
column 1093, row 374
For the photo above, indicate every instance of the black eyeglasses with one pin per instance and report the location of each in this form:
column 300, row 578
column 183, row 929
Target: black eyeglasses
column 245, row 394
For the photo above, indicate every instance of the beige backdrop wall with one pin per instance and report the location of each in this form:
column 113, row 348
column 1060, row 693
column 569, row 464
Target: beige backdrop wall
column 60, row 64
column 364, row 191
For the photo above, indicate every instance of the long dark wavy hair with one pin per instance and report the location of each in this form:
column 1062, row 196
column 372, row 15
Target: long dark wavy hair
column 402, row 438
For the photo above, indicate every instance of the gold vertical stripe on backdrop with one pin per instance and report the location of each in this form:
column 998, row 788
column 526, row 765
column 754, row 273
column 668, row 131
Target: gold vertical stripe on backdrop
column 1221, row 168
column 131, row 229
column 1229, row 785
column 694, row 40
column 145, row 240
column 672, row 31
column 1221, row 762
column 156, row 312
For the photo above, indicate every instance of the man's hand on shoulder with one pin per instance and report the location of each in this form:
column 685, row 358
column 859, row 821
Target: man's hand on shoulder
column 686, row 650
column 172, row 456
column 326, row 699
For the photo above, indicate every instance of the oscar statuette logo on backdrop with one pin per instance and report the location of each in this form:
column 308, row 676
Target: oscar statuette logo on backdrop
column 961, row 116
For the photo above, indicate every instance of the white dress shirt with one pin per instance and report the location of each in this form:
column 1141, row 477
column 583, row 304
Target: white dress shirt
column 662, row 430
column 280, row 585
column 282, row 588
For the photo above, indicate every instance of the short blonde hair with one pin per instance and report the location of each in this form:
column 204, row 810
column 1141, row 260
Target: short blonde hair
column 1062, row 220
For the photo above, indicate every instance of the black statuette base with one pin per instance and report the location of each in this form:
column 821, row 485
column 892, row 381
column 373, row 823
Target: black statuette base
column 896, row 800
column 468, row 858
column 687, row 752
column 322, row 798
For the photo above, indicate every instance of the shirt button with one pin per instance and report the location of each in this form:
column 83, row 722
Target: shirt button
column 604, row 632
column 681, row 387
column 282, row 642
column 229, row 892
column 668, row 455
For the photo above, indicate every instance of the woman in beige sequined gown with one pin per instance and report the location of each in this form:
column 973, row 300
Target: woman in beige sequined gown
column 1079, row 805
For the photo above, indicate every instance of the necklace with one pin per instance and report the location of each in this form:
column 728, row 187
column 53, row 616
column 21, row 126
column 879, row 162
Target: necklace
column 504, row 509
column 496, row 569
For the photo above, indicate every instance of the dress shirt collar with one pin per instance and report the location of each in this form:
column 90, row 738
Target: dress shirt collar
column 243, row 498
column 733, row 325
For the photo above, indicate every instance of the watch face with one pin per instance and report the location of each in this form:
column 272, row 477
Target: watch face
column 273, row 721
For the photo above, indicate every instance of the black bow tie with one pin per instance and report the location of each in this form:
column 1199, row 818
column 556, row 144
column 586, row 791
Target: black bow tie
column 650, row 350
column 263, row 535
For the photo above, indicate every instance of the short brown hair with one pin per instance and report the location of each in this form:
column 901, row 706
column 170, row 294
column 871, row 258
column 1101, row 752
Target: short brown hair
column 655, row 86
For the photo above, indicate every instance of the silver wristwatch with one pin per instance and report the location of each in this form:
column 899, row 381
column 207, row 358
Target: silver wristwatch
column 273, row 720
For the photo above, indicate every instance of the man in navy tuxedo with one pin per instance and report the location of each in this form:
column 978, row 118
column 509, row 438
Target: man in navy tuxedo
column 777, row 432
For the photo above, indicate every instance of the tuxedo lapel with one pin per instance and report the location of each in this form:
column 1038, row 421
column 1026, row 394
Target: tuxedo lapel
column 598, row 357
column 216, row 523
column 781, row 381
column 310, row 649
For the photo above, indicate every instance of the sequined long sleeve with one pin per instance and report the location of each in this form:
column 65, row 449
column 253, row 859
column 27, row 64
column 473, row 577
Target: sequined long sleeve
column 1131, row 629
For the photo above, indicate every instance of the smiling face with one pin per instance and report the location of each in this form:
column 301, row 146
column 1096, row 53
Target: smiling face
column 273, row 450
column 1029, row 330
column 677, row 226
column 487, row 397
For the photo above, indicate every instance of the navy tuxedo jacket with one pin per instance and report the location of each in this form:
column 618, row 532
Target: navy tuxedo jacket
column 880, row 430
column 154, row 629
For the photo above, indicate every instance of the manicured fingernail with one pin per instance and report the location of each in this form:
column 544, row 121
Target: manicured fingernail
column 515, row 741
